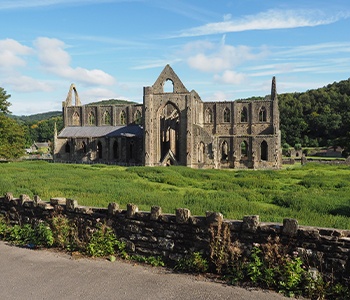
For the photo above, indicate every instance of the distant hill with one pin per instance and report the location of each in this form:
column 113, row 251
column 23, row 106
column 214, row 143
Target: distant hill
column 112, row 102
column 36, row 117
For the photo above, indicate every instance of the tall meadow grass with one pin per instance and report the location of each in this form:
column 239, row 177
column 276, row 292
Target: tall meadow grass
column 316, row 195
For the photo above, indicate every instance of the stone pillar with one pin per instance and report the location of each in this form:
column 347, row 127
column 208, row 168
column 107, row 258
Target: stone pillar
column 182, row 215
column 71, row 204
column 250, row 223
column 113, row 208
column 290, row 227
column 131, row 210
column 156, row 211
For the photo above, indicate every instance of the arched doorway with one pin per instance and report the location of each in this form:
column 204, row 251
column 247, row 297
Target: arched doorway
column 99, row 150
column 264, row 150
column 169, row 130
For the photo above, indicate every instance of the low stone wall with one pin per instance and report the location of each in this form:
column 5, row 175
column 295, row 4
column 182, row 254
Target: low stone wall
column 172, row 236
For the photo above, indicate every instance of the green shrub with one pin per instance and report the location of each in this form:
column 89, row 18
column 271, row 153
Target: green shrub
column 194, row 263
column 102, row 242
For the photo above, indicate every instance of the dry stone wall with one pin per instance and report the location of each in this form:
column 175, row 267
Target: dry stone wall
column 172, row 236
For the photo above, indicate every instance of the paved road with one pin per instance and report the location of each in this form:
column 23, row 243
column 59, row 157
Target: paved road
column 28, row 274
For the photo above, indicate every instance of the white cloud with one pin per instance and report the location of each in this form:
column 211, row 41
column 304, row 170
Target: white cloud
column 271, row 19
column 11, row 52
column 222, row 57
column 26, row 84
column 55, row 60
column 230, row 77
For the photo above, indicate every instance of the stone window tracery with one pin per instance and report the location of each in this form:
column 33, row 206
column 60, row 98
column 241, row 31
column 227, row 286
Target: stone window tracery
column 76, row 118
column 138, row 117
column 91, row 118
column 262, row 114
column 123, row 118
column 208, row 116
column 106, row 118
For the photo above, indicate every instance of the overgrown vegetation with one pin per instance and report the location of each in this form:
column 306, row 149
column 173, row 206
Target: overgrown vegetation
column 314, row 194
column 267, row 265
column 270, row 266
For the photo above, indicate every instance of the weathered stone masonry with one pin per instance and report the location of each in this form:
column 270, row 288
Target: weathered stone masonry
column 172, row 236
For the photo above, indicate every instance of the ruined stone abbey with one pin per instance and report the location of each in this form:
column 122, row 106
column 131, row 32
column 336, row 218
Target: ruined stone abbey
column 172, row 128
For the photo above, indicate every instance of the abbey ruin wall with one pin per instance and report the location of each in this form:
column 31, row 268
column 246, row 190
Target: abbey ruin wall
column 172, row 236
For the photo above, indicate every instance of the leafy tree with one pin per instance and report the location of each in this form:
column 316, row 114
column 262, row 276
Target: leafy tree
column 4, row 104
column 11, row 138
column 11, row 133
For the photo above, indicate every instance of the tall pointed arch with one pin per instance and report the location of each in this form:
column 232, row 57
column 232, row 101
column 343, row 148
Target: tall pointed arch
column 73, row 89
column 169, row 118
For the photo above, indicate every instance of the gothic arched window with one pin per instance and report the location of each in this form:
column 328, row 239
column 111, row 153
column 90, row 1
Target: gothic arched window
column 123, row 118
column 208, row 116
column 91, row 118
column 244, row 115
column 138, row 117
column 244, row 149
column 224, row 151
column 227, row 117
column 262, row 114
column 106, row 119
column 76, row 118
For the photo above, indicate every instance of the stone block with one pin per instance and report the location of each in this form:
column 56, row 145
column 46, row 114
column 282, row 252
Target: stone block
column 23, row 198
column 113, row 208
column 214, row 217
column 182, row 215
column 131, row 210
column 36, row 200
column 8, row 197
column 58, row 201
column 71, row 204
column 250, row 223
column 156, row 211
column 290, row 227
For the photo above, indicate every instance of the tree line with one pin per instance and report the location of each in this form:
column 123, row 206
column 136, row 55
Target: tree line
column 315, row 118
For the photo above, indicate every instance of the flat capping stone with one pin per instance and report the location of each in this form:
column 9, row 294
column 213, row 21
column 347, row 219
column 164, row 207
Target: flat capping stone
column 58, row 201
column 290, row 227
column 182, row 215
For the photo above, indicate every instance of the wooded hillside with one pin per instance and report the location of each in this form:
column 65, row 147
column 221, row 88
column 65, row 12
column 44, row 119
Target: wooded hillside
column 319, row 117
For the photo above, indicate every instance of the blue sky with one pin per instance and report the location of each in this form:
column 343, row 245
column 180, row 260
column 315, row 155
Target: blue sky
column 225, row 50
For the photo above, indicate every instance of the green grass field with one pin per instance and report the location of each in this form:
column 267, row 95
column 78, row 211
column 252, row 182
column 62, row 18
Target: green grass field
column 316, row 195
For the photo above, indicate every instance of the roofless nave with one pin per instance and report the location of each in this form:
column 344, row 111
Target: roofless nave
column 172, row 128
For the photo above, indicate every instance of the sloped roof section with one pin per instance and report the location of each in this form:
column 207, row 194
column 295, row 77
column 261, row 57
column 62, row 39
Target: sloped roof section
column 101, row 131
